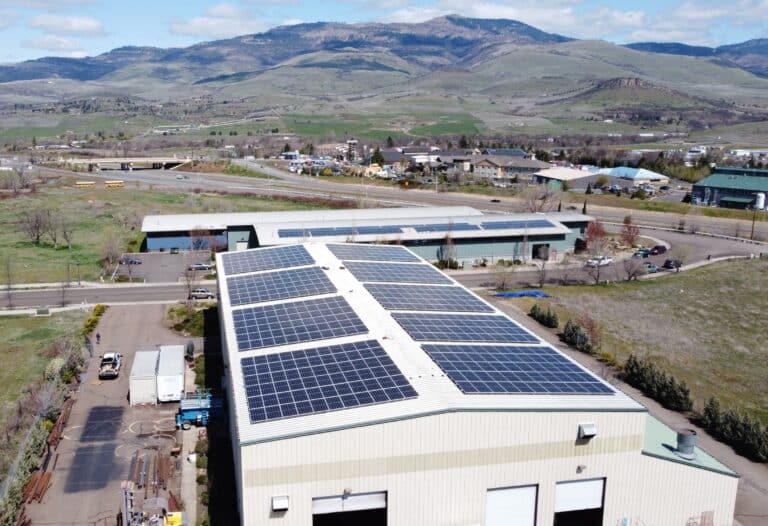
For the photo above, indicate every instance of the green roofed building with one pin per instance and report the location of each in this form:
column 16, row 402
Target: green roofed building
column 731, row 191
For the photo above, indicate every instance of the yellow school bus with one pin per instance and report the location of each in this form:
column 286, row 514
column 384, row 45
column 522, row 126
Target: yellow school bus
column 85, row 184
column 114, row 184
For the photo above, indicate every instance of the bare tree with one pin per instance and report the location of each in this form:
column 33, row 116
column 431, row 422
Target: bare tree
column 52, row 227
column 35, row 223
column 110, row 252
column 502, row 275
column 629, row 232
column 540, row 198
column 190, row 281
column 20, row 179
column 596, row 237
column 595, row 272
column 541, row 271
column 633, row 268
column 593, row 330
column 681, row 253
column 564, row 267
column 67, row 229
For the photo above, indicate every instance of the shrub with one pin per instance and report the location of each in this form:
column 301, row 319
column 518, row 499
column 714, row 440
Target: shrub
column 205, row 498
column 547, row 318
column 575, row 336
column 742, row 432
column 202, row 462
column 201, row 448
column 666, row 389
column 202, row 480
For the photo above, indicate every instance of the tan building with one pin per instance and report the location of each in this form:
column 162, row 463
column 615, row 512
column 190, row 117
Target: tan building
column 366, row 387
column 506, row 169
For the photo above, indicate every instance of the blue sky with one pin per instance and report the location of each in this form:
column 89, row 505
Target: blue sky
column 35, row 28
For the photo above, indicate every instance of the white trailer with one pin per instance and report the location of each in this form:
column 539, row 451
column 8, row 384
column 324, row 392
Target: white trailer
column 170, row 373
column 142, row 385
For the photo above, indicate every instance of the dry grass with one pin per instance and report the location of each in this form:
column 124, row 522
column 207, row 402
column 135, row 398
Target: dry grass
column 706, row 326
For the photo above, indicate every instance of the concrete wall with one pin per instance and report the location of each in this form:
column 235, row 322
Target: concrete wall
column 181, row 240
column 436, row 470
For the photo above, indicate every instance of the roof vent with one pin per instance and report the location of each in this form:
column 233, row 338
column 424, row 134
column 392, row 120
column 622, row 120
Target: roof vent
column 686, row 442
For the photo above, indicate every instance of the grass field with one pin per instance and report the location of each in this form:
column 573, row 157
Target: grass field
column 23, row 340
column 100, row 215
column 706, row 326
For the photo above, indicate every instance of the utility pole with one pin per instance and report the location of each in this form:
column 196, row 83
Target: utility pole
column 754, row 217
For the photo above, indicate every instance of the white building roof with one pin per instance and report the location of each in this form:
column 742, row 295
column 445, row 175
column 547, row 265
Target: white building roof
column 562, row 173
column 144, row 364
column 413, row 228
column 171, row 361
column 188, row 222
column 437, row 393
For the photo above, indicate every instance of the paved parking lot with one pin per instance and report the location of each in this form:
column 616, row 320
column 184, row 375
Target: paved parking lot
column 104, row 433
column 162, row 267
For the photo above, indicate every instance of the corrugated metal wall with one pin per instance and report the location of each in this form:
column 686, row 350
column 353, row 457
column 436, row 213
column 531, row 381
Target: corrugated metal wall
column 437, row 469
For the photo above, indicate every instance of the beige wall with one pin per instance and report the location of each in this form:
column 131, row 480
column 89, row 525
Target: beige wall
column 437, row 469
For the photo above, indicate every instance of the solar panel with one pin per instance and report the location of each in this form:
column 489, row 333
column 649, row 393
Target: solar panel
column 396, row 272
column 426, row 298
column 355, row 230
column 266, row 259
column 497, row 369
column 283, row 284
column 462, row 328
column 445, row 227
column 299, row 321
column 297, row 383
column 293, row 232
column 533, row 223
column 372, row 252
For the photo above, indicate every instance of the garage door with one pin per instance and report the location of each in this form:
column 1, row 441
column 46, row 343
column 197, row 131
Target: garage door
column 353, row 502
column 579, row 495
column 511, row 506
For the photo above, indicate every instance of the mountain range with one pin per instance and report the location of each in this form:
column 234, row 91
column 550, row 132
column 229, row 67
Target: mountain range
column 502, row 73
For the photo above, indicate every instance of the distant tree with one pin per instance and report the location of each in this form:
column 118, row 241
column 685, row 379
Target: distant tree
column 463, row 142
column 67, row 229
column 539, row 198
column 629, row 231
column 542, row 155
column 35, row 223
column 287, row 148
column 601, row 181
column 589, row 189
column 377, row 157
column 681, row 253
column 390, row 142
column 596, row 237
column 584, row 208
column 560, row 206
column 633, row 268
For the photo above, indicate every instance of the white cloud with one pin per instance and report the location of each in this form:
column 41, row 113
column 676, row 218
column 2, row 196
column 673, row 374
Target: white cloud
column 7, row 18
column 46, row 4
column 62, row 47
column 220, row 21
column 52, row 43
column 67, row 25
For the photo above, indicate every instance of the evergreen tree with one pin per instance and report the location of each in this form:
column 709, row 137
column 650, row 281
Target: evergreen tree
column 584, row 208
column 377, row 157
column 390, row 142
column 589, row 189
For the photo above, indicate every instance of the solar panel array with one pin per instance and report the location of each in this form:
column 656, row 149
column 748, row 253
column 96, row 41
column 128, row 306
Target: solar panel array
column 433, row 327
column 445, row 227
column 533, row 223
column 295, row 322
column 499, row 369
column 426, row 298
column 266, row 259
column 373, row 253
column 322, row 379
column 340, row 231
column 395, row 272
column 285, row 284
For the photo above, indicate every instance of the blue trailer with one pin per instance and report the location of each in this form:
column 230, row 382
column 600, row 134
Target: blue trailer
column 197, row 410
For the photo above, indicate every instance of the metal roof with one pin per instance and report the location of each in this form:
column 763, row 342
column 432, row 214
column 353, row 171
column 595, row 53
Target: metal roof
column 188, row 222
column 269, row 233
column 171, row 361
column 749, row 183
column 144, row 364
column 437, row 393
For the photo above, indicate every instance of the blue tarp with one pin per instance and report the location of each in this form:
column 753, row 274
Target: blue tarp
column 522, row 294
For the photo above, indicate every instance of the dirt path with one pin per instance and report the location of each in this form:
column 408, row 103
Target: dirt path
column 752, row 497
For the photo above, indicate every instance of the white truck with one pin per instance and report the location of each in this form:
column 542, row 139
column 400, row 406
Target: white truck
column 110, row 365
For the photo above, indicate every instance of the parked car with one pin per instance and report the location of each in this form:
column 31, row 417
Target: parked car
column 109, row 367
column 174, row 250
column 600, row 261
column 658, row 249
column 495, row 200
column 641, row 253
column 201, row 294
column 130, row 261
column 672, row 264
column 181, row 177
column 200, row 266
column 650, row 268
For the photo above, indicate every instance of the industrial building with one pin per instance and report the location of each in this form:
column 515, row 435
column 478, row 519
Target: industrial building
column 732, row 187
column 473, row 236
column 366, row 387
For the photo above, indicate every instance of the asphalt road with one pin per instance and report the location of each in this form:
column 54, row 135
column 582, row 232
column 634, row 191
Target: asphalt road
column 286, row 183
